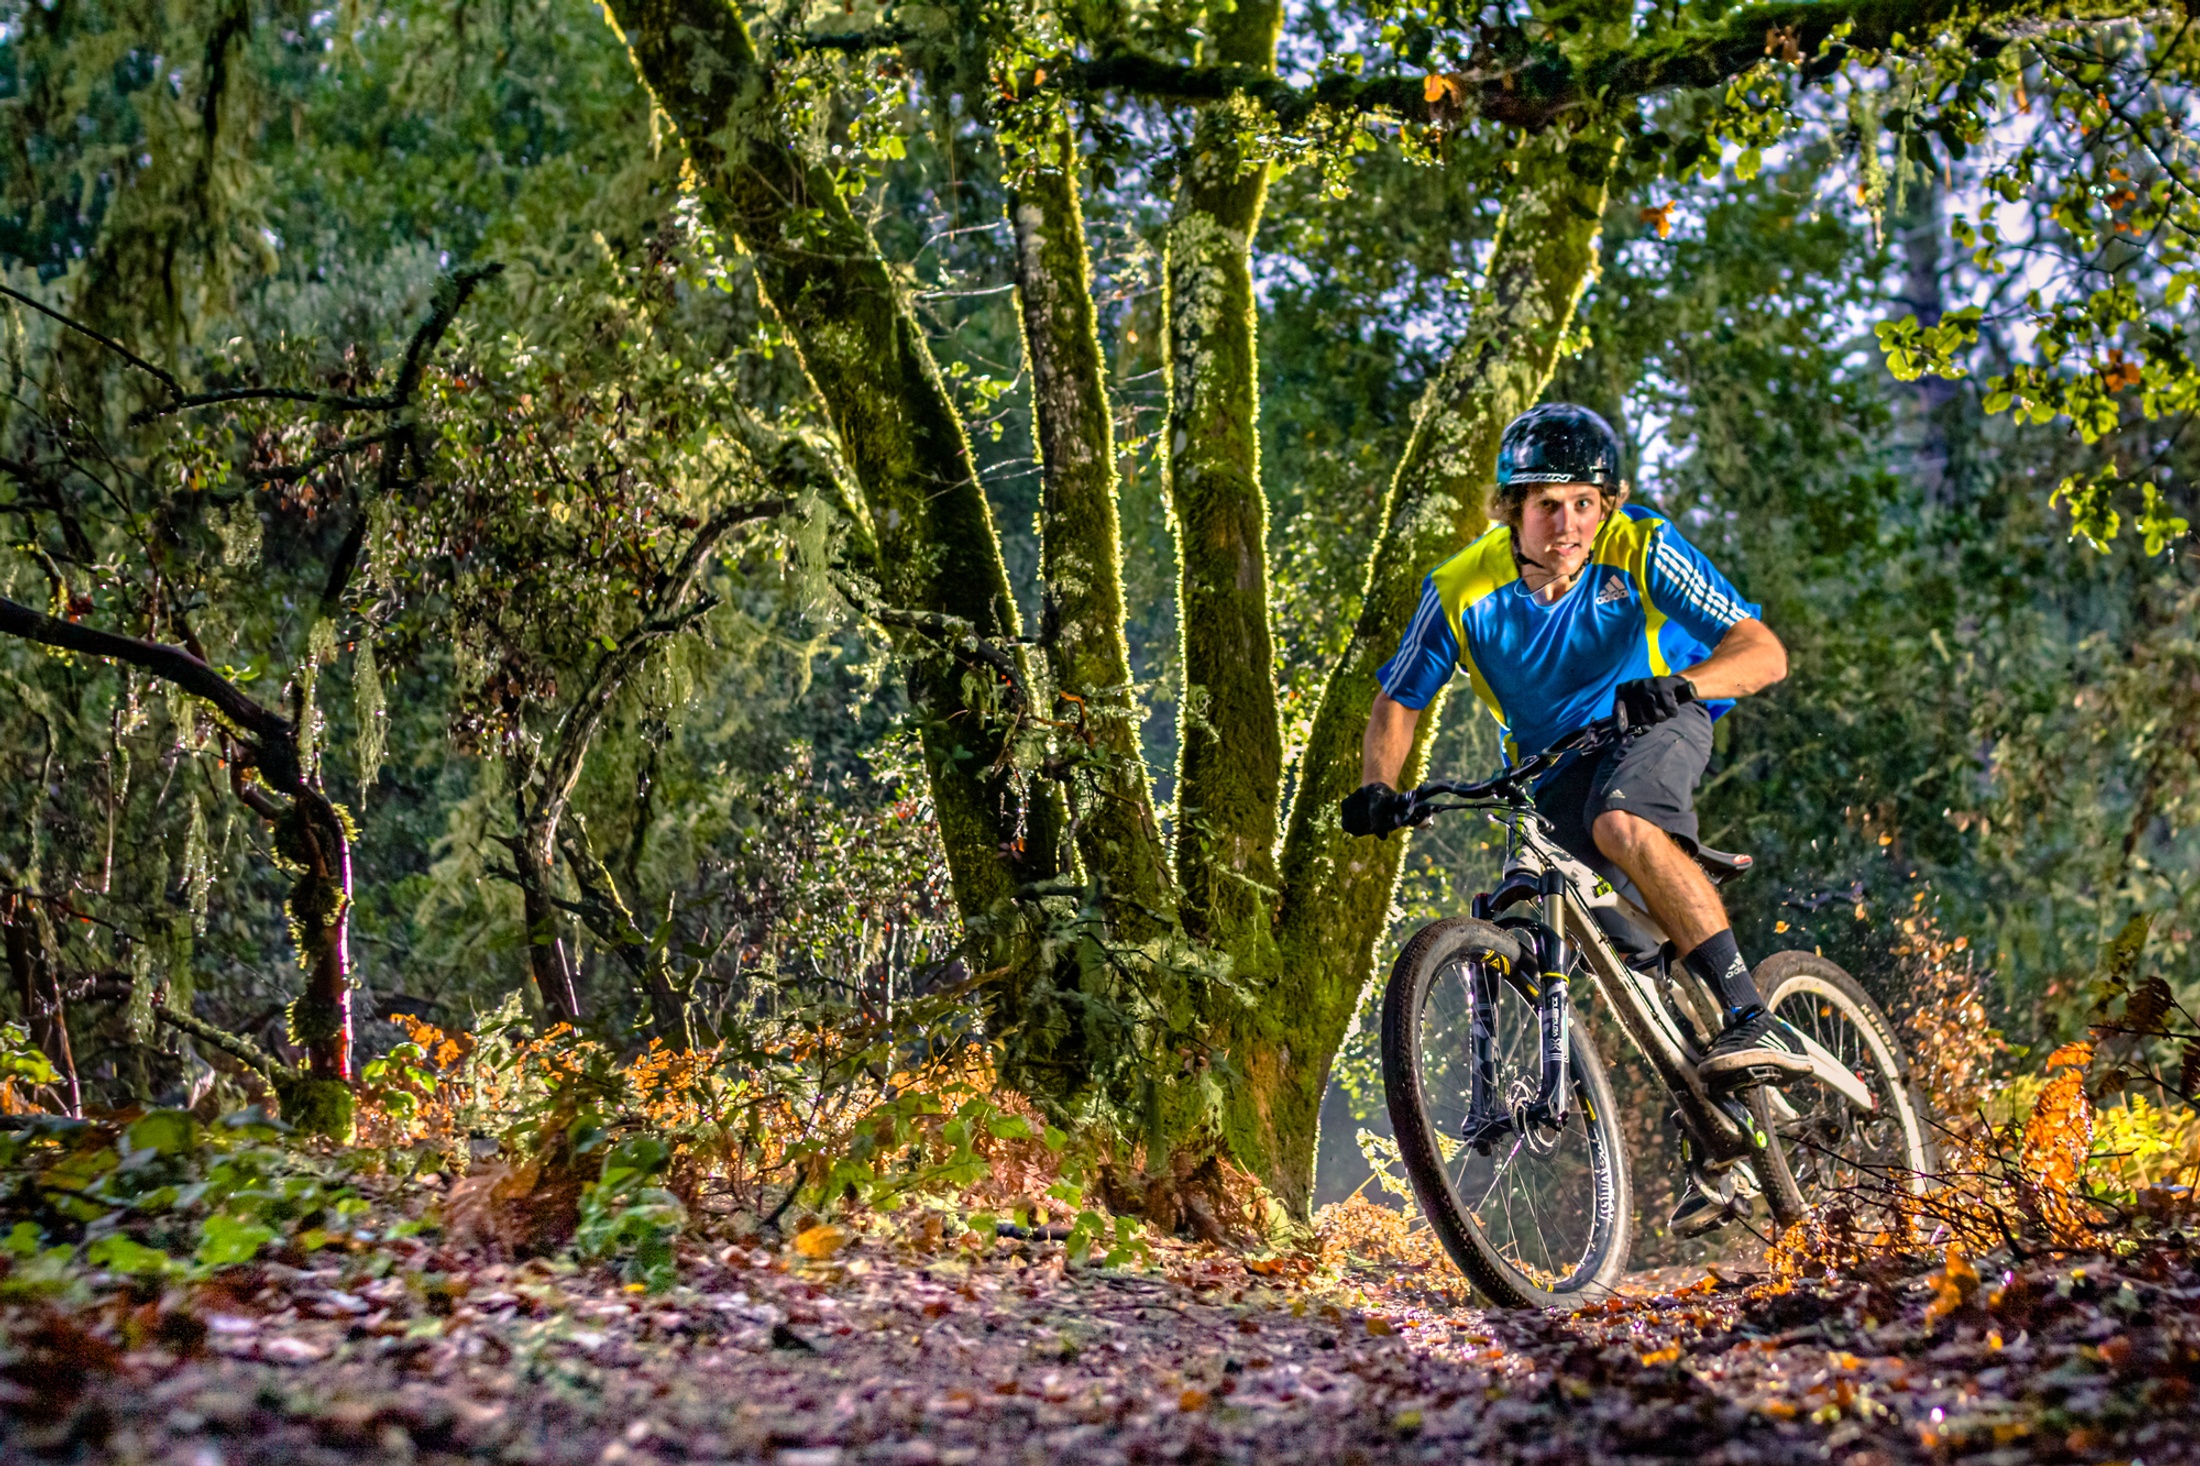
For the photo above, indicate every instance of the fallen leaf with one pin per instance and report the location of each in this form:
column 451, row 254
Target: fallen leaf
column 820, row 1242
column 284, row 1349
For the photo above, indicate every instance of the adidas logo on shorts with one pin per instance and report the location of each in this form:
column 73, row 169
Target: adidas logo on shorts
column 1615, row 589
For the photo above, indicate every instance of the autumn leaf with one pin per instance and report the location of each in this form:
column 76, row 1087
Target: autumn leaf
column 1953, row 1286
column 1661, row 216
column 2079, row 1054
column 820, row 1242
column 1446, row 96
column 2148, row 1005
column 2118, row 372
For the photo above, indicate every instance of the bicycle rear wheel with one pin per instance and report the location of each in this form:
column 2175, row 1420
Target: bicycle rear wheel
column 1541, row 1217
column 1866, row 1158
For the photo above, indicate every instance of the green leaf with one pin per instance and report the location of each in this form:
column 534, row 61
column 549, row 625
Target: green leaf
column 22, row 1059
column 2157, row 524
column 121, row 1254
column 2092, row 514
column 226, row 1240
column 163, row 1133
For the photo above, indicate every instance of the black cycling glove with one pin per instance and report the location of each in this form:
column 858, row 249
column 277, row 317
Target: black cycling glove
column 1649, row 701
column 1376, row 809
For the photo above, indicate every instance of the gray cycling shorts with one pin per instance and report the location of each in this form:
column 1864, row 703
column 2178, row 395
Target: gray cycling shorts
column 1653, row 775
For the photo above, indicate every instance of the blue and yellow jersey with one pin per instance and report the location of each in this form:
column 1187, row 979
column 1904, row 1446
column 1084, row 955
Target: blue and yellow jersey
column 1647, row 604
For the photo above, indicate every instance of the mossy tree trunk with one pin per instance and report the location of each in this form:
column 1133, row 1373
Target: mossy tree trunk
column 1240, row 1061
column 903, row 439
column 1337, row 889
column 271, row 773
column 1230, row 741
column 1080, row 537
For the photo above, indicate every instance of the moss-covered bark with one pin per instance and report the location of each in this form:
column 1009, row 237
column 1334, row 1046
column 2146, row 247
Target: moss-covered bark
column 314, row 836
column 1080, row 534
column 897, row 424
column 1230, row 760
column 1337, row 889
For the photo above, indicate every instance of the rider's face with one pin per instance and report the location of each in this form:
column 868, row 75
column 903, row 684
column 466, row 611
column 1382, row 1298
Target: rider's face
column 1558, row 524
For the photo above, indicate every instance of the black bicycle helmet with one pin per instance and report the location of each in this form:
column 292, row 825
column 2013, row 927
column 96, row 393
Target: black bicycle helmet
column 1557, row 443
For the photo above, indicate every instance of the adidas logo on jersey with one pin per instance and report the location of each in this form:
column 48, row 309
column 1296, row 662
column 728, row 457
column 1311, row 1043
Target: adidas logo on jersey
column 1615, row 589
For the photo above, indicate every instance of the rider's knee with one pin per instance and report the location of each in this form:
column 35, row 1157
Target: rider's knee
column 1619, row 834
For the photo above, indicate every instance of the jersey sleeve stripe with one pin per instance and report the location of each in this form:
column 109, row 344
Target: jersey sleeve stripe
column 1432, row 605
column 1695, row 587
column 1427, row 654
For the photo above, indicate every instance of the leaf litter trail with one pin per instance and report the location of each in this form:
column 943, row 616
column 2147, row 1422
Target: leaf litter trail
column 883, row 1354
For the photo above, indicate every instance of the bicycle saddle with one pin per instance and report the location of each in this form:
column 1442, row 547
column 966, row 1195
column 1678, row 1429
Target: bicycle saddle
column 1722, row 865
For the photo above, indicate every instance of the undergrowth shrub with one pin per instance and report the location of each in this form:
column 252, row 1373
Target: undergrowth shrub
column 2068, row 1156
column 808, row 1122
column 800, row 1115
column 159, row 1196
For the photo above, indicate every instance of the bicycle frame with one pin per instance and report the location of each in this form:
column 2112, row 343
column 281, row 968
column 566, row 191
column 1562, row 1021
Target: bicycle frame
column 1567, row 892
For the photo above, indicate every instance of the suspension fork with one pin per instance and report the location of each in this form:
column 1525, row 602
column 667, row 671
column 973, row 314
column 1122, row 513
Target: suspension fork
column 1554, row 1021
column 1554, row 1015
column 1489, row 1115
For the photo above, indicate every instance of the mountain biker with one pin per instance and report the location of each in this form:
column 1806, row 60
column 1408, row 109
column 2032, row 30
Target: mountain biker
column 1573, row 606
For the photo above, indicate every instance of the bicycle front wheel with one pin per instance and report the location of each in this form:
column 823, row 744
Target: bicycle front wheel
column 1868, row 1158
column 1536, row 1216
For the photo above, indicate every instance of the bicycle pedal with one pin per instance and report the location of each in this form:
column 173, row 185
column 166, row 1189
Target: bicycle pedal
column 1732, row 1107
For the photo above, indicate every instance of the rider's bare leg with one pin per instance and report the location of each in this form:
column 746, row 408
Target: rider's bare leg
column 1686, row 904
column 1673, row 886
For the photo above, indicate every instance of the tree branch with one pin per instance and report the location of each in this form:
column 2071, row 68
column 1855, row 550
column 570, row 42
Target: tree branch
column 156, row 373
column 234, row 1045
column 273, row 747
column 291, row 473
column 951, row 631
column 1533, row 89
column 578, row 730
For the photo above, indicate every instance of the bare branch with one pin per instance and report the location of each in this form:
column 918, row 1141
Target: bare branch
column 274, row 749
column 156, row 373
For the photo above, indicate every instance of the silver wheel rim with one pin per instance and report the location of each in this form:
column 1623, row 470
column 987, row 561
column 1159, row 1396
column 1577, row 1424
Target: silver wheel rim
column 1832, row 1149
column 1547, row 1216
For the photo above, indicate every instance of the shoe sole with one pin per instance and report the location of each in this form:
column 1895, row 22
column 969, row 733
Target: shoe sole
column 1754, row 1061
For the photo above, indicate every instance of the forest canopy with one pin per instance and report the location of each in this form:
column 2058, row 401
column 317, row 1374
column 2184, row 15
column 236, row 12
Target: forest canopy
column 679, row 515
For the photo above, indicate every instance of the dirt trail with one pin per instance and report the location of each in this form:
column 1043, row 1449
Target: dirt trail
column 883, row 1355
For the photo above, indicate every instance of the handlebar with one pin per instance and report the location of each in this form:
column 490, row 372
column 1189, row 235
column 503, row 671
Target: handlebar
column 1511, row 786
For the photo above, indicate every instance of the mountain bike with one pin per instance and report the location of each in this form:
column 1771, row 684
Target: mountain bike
column 1502, row 1107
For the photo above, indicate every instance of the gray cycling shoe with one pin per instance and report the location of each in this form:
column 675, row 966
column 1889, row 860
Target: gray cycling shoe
column 1752, row 1049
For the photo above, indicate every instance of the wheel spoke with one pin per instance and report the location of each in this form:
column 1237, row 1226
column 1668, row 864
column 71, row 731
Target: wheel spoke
column 1834, row 1148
